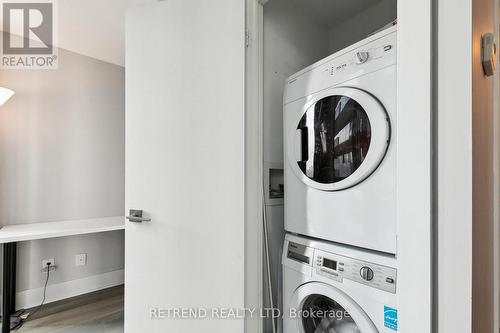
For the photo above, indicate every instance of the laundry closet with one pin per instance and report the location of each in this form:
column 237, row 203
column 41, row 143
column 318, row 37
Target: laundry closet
column 205, row 97
column 296, row 34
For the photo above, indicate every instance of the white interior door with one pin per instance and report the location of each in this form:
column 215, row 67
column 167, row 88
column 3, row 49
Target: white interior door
column 185, row 132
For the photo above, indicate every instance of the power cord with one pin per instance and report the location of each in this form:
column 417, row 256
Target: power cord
column 21, row 315
column 44, row 292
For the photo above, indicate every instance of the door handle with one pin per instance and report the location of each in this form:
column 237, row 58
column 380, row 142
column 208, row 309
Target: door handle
column 302, row 140
column 135, row 216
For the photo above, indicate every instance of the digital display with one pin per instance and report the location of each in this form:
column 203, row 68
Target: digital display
column 330, row 264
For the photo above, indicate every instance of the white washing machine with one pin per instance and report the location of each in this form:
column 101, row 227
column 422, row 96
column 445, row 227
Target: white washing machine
column 329, row 288
column 340, row 131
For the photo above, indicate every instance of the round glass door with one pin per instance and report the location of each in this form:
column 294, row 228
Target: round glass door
column 321, row 314
column 336, row 136
column 323, row 308
column 340, row 139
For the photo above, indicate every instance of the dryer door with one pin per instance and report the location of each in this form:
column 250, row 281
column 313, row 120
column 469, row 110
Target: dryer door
column 339, row 140
column 322, row 308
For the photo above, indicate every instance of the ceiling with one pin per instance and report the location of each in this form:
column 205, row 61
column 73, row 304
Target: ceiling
column 95, row 28
column 332, row 12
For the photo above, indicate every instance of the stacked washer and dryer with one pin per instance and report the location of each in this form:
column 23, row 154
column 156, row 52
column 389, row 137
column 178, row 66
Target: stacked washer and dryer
column 339, row 264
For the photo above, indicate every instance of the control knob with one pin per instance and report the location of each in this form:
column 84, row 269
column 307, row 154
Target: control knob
column 366, row 273
column 362, row 57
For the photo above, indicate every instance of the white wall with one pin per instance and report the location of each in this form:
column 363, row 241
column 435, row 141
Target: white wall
column 361, row 25
column 62, row 158
column 105, row 263
column 62, row 142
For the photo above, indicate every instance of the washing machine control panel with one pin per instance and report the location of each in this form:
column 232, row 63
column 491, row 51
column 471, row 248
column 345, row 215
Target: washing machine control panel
column 338, row 267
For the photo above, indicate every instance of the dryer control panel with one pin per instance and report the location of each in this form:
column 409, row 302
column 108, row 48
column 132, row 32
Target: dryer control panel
column 367, row 56
column 338, row 267
column 354, row 59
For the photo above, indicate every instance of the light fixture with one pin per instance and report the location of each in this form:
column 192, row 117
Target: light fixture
column 489, row 53
column 5, row 94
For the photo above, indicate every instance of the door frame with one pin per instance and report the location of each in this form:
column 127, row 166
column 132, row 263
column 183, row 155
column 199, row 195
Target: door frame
column 414, row 211
column 254, row 174
column 453, row 60
column 414, row 157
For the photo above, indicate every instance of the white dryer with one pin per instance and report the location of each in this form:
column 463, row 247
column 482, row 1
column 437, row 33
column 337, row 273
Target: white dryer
column 329, row 288
column 340, row 131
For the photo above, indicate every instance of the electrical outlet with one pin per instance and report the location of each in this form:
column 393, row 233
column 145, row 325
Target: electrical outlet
column 46, row 262
column 81, row 259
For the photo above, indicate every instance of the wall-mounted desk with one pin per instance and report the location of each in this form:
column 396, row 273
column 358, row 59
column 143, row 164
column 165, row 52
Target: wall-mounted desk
column 11, row 234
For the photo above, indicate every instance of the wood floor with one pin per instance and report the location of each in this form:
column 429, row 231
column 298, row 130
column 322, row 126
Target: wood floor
column 74, row 313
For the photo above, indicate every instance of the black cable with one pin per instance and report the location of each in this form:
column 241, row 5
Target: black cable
column 20, row 313
column 44, row 291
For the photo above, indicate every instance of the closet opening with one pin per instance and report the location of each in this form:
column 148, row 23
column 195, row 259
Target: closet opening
column 293, row 35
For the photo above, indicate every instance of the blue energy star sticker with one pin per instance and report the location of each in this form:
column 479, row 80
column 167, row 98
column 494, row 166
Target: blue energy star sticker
column 391, row 318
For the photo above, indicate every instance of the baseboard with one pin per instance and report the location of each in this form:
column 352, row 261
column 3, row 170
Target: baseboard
column 30, row 298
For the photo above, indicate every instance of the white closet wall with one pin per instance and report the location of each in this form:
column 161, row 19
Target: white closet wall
column 362, row 24
column 293, row 39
